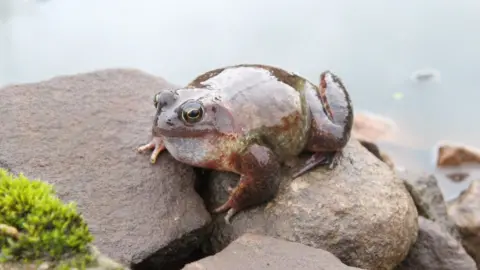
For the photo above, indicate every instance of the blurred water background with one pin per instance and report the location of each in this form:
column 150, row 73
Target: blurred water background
column 375, row 46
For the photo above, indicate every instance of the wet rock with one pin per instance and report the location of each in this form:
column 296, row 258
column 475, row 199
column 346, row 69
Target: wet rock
column 80, row 133
column 436, row 249
column 451, row 155
column 465, row 211
column 359, row 211
column 252, row 252
column 429, row 199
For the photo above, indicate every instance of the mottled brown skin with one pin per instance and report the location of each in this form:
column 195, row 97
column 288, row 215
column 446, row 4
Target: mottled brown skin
column 250, row 119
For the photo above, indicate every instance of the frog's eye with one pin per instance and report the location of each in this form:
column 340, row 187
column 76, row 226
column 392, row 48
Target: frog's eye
column 192, row 112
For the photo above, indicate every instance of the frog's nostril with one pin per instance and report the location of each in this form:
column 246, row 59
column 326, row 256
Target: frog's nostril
column 169, row 122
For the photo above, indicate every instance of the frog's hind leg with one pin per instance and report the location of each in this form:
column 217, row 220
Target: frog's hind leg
column 259, row 181
column 332, row 120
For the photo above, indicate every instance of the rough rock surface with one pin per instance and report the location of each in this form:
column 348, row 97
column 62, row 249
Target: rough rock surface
column 252, row 252
column 429, row 199
column 80, row 133
column 435, row 249
column 465, row 211
column 358, row 211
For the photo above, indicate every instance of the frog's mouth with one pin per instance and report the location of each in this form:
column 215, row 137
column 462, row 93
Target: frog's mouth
column 180, row 132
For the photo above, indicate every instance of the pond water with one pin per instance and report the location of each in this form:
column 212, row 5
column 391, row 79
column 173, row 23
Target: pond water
column 374, row 46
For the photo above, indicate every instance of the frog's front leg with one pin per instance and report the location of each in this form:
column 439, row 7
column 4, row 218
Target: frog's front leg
column 259, row 181
column 156, row 144
column 332, row 120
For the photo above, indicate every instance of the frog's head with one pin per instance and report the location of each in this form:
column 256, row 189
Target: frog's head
column 191, row 112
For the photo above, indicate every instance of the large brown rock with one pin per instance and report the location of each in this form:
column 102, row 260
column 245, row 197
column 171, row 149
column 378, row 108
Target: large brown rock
column 359, row 211
column 80, row 133
column 465, row 211
column 436, row 249
column 252, row 252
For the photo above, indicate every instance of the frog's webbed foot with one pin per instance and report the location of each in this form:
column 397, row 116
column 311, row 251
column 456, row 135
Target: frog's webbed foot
column 319, row 159
column 156, row 144
column 259, row 181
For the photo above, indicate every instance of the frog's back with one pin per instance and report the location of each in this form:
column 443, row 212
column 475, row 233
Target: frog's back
column 264, row 101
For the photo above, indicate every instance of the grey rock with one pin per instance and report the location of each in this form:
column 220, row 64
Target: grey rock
column 436, row 249
column 465, row 211
column 429, row 199
column 80, row 133
column 359, row 211
column 252, row 252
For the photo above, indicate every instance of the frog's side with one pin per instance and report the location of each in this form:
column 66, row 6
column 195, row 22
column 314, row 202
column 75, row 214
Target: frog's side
column 249, row 119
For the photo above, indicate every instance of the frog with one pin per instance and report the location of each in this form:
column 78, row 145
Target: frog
column 251, row 119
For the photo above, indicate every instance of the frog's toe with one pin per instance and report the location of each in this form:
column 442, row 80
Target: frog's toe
column 227, row 205
column 158, row 149
column 224, row 207
column 317, row 159
column 145, row 147
column 335, row 159
column 231, row 212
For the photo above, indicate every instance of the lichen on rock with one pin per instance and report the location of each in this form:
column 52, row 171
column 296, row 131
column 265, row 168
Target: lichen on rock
column 38, row 226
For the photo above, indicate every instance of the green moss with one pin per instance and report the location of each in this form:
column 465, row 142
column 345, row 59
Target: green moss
column 48, row 229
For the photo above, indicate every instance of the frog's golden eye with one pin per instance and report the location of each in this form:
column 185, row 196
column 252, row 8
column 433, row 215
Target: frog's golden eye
column 192, row 112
